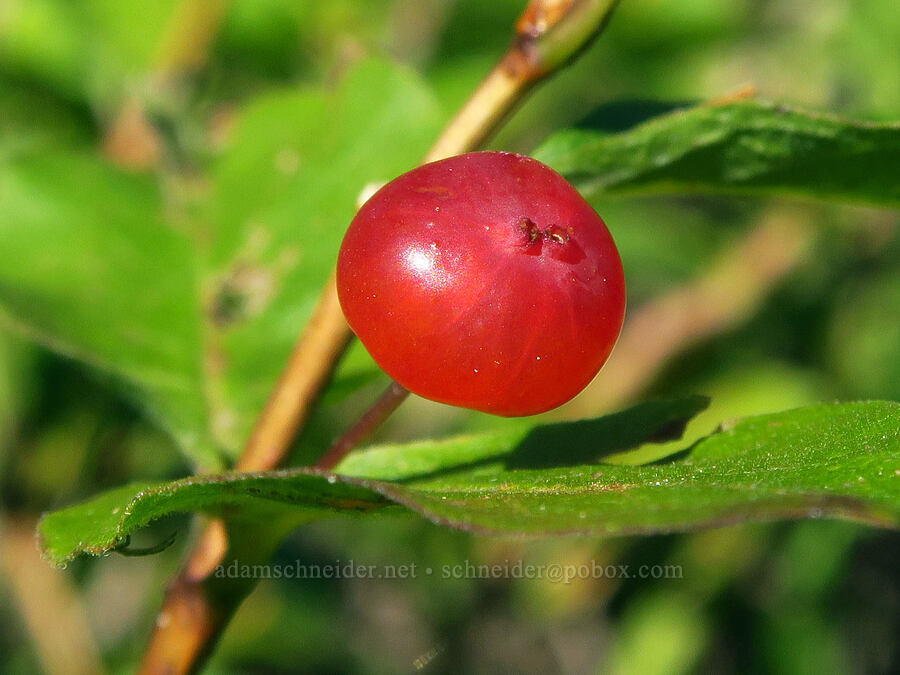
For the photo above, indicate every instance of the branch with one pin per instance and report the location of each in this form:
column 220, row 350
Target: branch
column 548, row 35
column 308, row 371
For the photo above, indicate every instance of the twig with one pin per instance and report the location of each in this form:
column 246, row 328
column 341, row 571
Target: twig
column 548, row 35
column 324, row 339
column 189, row 620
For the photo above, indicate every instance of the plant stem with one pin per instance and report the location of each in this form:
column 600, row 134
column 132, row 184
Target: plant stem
column 200, row 601
column 548, row 34
column 324, row 340
column 387, row 403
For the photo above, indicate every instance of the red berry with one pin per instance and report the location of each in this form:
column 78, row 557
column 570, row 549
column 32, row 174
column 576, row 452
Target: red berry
column 483, row 281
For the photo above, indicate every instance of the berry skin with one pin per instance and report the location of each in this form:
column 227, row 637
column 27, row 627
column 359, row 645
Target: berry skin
column 484, row 281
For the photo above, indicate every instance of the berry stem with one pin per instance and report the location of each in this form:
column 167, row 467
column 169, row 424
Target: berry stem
column 387, row 403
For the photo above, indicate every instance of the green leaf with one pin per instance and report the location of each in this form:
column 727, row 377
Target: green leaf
column 193, row 302
column 105, row 522
column 93, row 270
column 88, row 52
column 29, row 124
column 825, row 460
column 744, row 147
column 837, row 460
column 531, row 446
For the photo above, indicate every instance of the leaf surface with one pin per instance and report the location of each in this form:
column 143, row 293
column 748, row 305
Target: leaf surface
column 747, row 147
column 827, row 460
column 192, row 296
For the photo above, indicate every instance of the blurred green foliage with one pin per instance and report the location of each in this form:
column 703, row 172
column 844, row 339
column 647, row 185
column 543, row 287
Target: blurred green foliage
column 811, row 597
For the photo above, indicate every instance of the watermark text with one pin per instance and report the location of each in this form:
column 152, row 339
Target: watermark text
column 563, row 573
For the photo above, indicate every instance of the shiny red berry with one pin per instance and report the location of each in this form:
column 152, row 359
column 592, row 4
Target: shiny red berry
column 483, row 281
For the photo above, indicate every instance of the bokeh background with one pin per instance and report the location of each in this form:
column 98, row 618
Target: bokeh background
column 799, row 597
